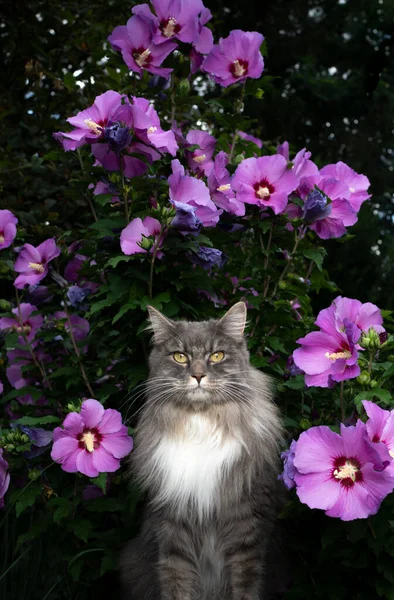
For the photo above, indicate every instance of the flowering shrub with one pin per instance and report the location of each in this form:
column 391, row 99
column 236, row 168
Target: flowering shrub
column 180, row 203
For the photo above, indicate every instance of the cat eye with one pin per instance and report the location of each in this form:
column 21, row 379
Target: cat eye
column 180, row 358
column 216, row 357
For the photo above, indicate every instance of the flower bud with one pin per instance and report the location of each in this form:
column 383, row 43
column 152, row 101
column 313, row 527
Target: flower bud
column 34, row 474
column 74, row 406
column 373, row 383
column 364, row 378
column 146, row 243
column 5, row 305
column 282, row 285
column 370, row 340
column 305, row 423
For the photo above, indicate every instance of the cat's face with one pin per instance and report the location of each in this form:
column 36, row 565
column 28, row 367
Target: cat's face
column 198, row 363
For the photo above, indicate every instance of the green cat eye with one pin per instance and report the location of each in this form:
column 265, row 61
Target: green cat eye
column 180, row 358
column 216, row 357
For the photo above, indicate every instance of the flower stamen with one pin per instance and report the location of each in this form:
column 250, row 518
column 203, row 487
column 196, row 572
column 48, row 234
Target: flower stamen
column 142, row 58
column 169, row 28
column 89, row 439
column 347, row 471
column 336, row 355
column 223, row 188
column 2, row 238
column 97, row 129
column 239, row 68
column 199, row 159
column 38, row 267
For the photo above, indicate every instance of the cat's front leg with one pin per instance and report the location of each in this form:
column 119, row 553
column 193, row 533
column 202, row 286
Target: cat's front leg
column 246, row 573
column 177, row 577
column 177, row 565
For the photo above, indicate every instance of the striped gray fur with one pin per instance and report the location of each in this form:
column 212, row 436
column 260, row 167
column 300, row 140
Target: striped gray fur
column 207, row 452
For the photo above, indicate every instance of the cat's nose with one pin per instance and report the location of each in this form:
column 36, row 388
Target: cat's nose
column 198, row 376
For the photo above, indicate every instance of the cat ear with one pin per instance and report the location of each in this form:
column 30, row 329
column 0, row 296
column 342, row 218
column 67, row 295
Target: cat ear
column 234, row 320
column 160, row 325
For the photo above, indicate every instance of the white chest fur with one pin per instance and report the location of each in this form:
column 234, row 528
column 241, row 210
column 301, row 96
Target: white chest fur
column 192, row 464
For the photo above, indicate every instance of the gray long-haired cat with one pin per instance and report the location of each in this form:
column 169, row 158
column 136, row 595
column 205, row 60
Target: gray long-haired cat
column 206, row 450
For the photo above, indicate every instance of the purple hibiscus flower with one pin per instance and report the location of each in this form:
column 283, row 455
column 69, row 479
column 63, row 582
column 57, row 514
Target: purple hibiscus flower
column 132, row 235
column 327, row 358
column 24, row 322
column 139, row 116
column 8, row 223
column 204, row 42
column 364, row 316
column 90, row 124
column 302, row 165
column 340, row 474
column 236, row 57
column 338, row 213
column 194, row 192
column 16, row 360
column 356, row 184
column 32, row 263
column 135, row 41
column 265, row 181
column 380, row 429
column 105, row 187
column 208, row 258
column 219, row 184
column 79, row 326
column 200, row 160
column 73, row 275
column 92, row 441
column 284, row 150
column 289, row 470
column 4, row 478
column 250, row 138
column 176, row 19
column 186, row 220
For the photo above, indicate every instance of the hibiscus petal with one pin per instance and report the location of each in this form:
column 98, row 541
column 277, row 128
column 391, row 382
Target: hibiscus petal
column 85, row 464
column 92, row 413
column 63, row 447
column 117, row 444
column 111, row 421
column 317, row 449
column 317, row 490
column 103, row 461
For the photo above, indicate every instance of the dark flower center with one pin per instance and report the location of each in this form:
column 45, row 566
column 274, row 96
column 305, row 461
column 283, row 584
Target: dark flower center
column 239, row 68
column 169, row 27
column 263, row 189
column 142, row 56
column 89, row 439
column 347, row 471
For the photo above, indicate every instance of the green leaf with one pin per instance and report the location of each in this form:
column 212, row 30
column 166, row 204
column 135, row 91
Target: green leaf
column 103, row 199
column 317, row 255
column 37, row 420
column 69, row 81
column 295, row 383
column 114, row 261
column 381, row 394
column 100, row 481
column 27, row 498
column 27, row 390
column 80, row 527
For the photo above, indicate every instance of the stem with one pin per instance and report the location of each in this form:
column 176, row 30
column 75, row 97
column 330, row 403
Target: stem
column 284, row 272
column 266, row 259
column 173, row 97
column 124, row 192
column 235, row 134
column 38, row 364
column 153, row 263
column 342, row 404
column 88, row 197
column 230, row 156
column 371, row 357
column 77, row 352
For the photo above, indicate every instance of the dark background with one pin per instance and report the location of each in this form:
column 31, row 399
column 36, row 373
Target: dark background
column 332, row 91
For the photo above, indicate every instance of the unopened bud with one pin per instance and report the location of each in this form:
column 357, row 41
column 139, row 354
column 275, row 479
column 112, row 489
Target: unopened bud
column 282, row 285
column 364, row 378
column 370, row 340
column 74, row 406
column 146, row 243
column 5, row 305
column 34, row 474
column 305, row 424
column 373, row 383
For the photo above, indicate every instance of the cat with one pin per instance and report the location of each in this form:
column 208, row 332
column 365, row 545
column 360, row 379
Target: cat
column 206, row 450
